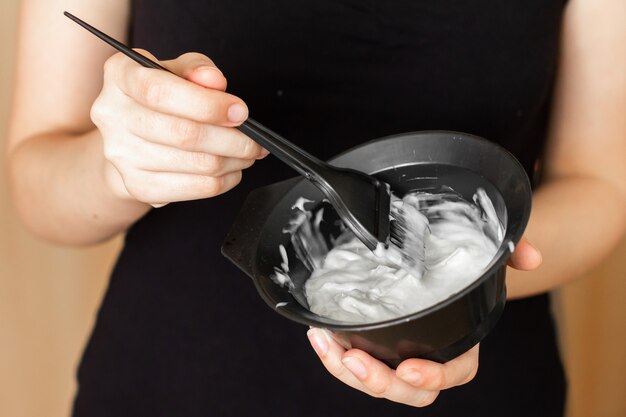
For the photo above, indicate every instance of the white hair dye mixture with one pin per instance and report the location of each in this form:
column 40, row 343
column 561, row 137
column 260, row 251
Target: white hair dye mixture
column 453, row 241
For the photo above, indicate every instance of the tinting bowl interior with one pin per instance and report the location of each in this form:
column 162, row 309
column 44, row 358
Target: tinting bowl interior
column 421, row 160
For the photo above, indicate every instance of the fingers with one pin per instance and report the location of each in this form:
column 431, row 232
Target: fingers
column 168, row 139
column 167, row 93
column 416, row 382
column 160, row 188
column 435, row 376
column 379, row 379
column 330, row 353
column 159, row 158
column 191, row 136
column 197, row 68
column 525, row 257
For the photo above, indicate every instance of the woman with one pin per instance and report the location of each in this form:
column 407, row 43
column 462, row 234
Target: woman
column 97, row 141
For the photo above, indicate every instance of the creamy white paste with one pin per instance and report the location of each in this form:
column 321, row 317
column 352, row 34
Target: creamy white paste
column 450, row 240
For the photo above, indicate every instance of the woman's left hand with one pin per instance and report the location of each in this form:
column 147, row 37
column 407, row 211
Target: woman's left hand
column 525, row 257
column 416, row 382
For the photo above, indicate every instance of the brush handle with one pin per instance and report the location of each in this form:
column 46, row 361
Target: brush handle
column 306, row 164
column 297, row 158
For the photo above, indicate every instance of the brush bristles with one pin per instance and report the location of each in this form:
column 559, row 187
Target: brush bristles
column 411, row 243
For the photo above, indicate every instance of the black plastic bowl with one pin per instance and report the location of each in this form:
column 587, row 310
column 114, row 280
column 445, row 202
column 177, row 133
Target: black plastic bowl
column 420, row 160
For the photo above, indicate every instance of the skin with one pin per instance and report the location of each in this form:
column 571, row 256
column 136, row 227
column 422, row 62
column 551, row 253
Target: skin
column 124, row 139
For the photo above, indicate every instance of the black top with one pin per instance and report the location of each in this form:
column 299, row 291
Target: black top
column 182, row 332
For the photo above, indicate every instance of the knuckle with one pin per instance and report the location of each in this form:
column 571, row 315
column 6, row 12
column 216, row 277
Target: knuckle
column 378, row 383
column 213, row 185
column 207, row 163
column 439, row 380
column 471, row 373
column 234, row 178
column 210, row 109
column 109, row 153
column 248, row 163
column 115, row 67
column 427, row 399
column 99, row 112
column 103, row 111
column 379, row 388
column 120, row 150
column 335, row 367
column 337, row 370
column 249, row 149
column 153, row 92
column 111, row 64
column 188, row 134
column 114, row 154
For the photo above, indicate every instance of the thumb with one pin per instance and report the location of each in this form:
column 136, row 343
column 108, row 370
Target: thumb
column 199, row 69
column 525, row 257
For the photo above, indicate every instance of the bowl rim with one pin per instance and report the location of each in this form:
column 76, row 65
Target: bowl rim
column 496, row 263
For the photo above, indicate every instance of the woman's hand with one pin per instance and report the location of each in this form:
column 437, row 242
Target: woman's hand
column 416, row 382
column 168, row 138
column 525, row 257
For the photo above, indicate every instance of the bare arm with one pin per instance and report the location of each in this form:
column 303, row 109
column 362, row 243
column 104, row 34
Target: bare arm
column 55, row 156
column 579, row 212
column 159, row 138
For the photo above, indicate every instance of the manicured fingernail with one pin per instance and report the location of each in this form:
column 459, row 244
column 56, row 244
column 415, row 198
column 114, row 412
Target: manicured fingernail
column 412, row 376
column 318, row 341
column 355, row 366
column 237, row 113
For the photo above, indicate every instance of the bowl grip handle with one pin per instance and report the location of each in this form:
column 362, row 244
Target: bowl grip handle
column 241, row 242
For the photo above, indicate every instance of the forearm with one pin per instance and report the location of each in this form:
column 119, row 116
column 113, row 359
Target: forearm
column 60, row 190
column 575, row 223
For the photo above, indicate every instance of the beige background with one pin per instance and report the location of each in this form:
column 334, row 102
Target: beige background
column 49, row 296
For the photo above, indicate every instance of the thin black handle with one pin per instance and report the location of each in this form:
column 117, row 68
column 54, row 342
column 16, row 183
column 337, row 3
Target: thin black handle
column 135, row 56
column 291, row 154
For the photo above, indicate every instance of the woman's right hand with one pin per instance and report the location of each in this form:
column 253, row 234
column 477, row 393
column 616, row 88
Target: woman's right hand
column 169, row 138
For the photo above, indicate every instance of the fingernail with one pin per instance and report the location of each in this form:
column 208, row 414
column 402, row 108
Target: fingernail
column 205, row 74
column 318, row 341
column 158, row 205
column 355, row 366
column 412, row 376
column 264, row 153
column 237, row 113
column 208, row 68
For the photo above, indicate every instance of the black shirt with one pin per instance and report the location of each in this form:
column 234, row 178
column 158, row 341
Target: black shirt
column 182, row 332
